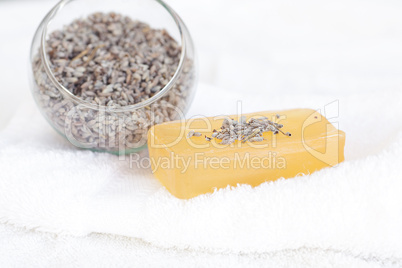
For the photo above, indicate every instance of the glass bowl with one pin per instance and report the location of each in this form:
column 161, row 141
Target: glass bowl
column 114, row 128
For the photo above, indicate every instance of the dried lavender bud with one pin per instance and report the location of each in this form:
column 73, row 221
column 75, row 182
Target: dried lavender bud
column 190, row 134
column 225, row 142
column 256, row 139
column 221, row 136
column 208, row 138
column 197, row 134
column 255, row 132
column 242, row 119
column 232, row 130
column 226, row 123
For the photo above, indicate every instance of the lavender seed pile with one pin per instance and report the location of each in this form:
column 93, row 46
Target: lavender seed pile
column 232, row 130
column 111, row 61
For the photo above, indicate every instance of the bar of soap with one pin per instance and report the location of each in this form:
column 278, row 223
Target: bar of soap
column 189, row 167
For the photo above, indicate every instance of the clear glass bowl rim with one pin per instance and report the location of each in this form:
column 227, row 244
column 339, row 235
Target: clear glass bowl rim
column 184, row 35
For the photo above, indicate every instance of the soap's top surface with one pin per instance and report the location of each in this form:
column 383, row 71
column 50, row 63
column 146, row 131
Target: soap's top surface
column 307, row 127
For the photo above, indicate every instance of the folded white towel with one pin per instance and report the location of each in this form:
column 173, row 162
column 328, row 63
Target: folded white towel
column 49, row 185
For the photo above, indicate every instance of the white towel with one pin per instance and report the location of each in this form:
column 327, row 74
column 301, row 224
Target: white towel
column 356, row 207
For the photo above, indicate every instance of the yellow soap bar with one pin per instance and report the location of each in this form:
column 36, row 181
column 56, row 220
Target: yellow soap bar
column 188, row 167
